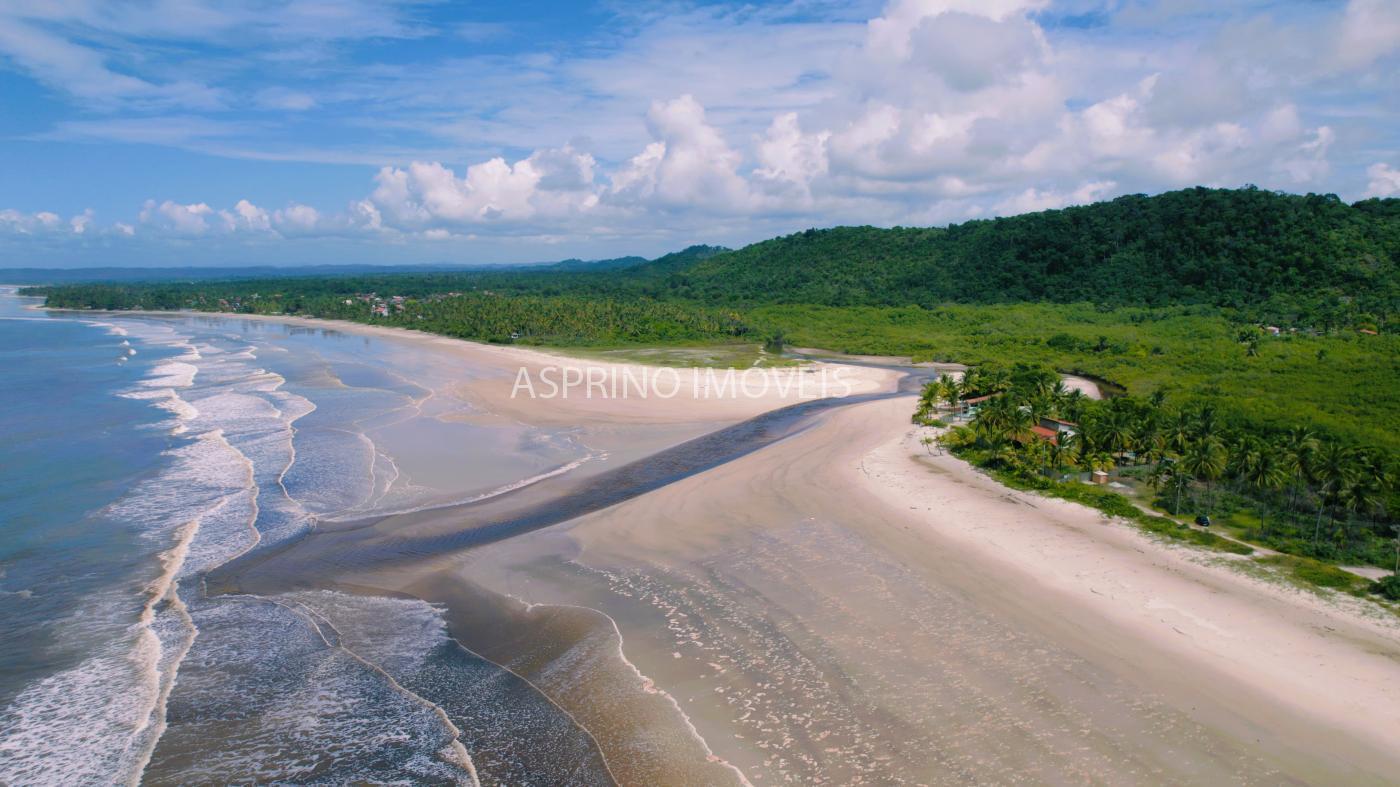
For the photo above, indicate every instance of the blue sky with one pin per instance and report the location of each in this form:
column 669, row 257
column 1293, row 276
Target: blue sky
column 310, row 131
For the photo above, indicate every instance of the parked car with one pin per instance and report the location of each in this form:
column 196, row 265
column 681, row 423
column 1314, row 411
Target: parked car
column 1203, row 520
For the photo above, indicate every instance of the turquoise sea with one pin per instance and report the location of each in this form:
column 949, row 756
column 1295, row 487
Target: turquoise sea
column 139, row 452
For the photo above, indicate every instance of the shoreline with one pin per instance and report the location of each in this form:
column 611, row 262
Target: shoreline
column 698, row 400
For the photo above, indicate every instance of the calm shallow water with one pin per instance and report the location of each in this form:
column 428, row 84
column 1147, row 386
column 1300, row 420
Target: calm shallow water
column 141, row 452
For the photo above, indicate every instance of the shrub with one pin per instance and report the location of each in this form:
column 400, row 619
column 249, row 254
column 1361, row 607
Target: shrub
column 1387, row 587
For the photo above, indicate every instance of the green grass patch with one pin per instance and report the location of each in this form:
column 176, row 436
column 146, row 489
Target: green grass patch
column 1115, row 504
column 1340, row 384
column 1316, row 574
column 716, row 356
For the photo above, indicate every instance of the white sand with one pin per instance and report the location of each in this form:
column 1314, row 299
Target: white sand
column 1330, row 658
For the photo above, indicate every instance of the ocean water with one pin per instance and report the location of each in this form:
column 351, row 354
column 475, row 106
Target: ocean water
column 138, row 453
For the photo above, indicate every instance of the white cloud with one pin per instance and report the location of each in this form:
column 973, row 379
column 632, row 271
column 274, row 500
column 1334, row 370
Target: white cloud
column 1308, row 165
column 296, row 219
column 892, row 32
column 1370, row 30
column 689, row 165
column 248, row 220
column 1033, row 199
column 245, row 215
column 973, row 52
column 80, row 222
column 176, row 218
column 554, row 183
column 790, row 159
column 1384, row 180
column 20, row 223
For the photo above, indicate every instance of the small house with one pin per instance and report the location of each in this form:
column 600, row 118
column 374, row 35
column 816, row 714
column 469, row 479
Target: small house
column 1059, row 427
column 967, row 408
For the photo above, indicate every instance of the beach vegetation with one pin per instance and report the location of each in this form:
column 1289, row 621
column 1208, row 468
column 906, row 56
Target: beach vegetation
column 1317, row 500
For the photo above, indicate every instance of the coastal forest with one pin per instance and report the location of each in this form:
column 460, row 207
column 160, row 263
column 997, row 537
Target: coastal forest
column 1271, row 312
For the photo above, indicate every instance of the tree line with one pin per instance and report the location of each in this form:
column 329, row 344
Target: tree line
column 1304, row 494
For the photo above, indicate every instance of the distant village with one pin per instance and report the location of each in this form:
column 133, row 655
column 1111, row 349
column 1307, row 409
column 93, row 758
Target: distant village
column 383, row 306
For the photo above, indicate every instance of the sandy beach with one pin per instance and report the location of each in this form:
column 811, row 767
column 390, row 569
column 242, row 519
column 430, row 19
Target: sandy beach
column 837, row 605
column 677, row 395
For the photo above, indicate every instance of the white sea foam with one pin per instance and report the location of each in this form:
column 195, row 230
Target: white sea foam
column 286, row 702
column 98, row 722
column 355, row 513
column 76, row 726
column 243, row 474
column 172, row 374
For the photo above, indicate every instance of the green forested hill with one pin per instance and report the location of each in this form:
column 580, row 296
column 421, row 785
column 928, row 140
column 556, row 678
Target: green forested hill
column 1222, row 247
column 1311, row 261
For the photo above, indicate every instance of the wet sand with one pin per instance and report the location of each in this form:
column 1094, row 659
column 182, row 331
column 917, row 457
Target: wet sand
column 827, row 609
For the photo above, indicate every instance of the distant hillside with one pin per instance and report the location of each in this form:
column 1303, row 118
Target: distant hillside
column 1224, row 247
column 591, row 265
column 681, row 260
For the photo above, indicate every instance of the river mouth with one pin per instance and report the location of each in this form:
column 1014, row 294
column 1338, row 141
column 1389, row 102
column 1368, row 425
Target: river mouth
column 326, row 556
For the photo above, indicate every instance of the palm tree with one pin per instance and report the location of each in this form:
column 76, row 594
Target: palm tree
column 1207, row 423
column 974, row 381
column 1168, row 473
column 1299, row 449
column 1058, row 454
column 1334, row 469
column 1099, row 461
column 1265, row 475
column 1118, row 433
column 1157, row 398
column 1151, row 443
column 1019, row 421
column 931, row 394
column 1000, row 380
column 1205, row 460
column 1072, row 406
column 1180, row 431
column 995, row 416
column 952, row 391
column 1361, row 494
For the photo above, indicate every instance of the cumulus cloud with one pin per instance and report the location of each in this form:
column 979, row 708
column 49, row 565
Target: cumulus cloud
column 689, row 165
column 176, row 218
column 789, row 159
column 554, row 183
column 246, row 215
column 1384, row 180
column 19, row 223
column 245, row 219
column 1035, row 199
